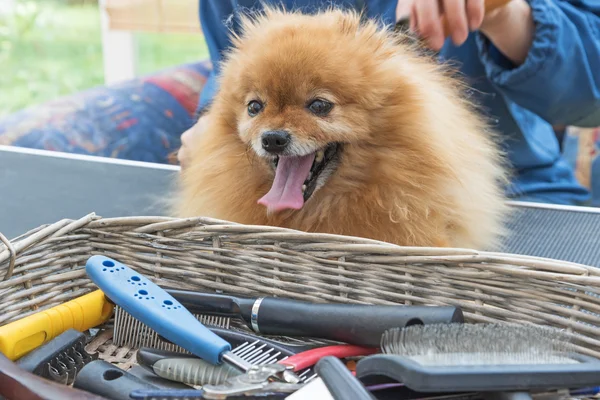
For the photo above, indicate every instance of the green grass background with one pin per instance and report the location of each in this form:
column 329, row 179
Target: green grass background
column 50, row 48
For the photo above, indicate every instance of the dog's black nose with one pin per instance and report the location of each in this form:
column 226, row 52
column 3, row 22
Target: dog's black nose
column 275, row 141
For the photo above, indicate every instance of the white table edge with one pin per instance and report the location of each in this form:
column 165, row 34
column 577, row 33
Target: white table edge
column 158, row 166
column 83, row 157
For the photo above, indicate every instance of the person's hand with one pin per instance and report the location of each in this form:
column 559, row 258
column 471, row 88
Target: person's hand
column 510, row 26
column 188, row 138
column 462, row 16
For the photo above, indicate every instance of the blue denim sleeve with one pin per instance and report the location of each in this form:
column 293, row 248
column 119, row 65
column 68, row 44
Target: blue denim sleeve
column 216, row 35
column 560, row 79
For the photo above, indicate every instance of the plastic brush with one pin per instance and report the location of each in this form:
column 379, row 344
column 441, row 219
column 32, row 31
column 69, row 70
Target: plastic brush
column 490, row 358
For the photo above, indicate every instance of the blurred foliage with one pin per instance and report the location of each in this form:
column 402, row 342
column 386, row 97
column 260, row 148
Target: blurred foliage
column 51, row 48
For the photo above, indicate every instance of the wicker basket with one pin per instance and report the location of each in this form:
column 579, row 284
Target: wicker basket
column 45, row 267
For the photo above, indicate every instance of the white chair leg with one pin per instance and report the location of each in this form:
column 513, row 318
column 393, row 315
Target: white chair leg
column 118, row 50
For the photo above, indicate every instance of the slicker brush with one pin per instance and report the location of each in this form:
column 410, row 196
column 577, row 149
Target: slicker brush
column 488, row 358
column 479, row 344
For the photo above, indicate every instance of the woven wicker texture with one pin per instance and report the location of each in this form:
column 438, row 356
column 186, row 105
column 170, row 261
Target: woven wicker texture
column 45, row 267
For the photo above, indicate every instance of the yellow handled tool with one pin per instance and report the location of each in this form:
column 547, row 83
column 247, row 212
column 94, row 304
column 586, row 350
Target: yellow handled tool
column 20, row 337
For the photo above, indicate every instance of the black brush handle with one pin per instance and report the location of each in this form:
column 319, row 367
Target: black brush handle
column 350, row 323
column 339, row 380
column 356, row 324
column 212, row 304
column 18, row 384
column 104, row 379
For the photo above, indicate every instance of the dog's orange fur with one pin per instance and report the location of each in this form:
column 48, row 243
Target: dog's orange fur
column 419, row 165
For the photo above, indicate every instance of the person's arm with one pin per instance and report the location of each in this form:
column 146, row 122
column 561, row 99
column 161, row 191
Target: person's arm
column 555, row 72
column 213, row 16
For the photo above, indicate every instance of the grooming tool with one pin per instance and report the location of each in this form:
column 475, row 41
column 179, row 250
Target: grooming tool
column 60, row 359
column 311, row 357
column 20, row 337
column 303, row 362
column 104, row 379
column 355, row 324
column 256, row 349
column 481, row 358
column 349, row 323
column 253, row 349
column 267, row 346
column 256, row 380
column 17, row 384
column 151, row 378
column 133, row 333
column 194, row 371
column 184, row 368
column 147, row 302
column 193, row 394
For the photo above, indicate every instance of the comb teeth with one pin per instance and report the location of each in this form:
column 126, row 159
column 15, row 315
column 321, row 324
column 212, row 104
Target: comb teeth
column 60, row 359
column 131, row 332
column 478, row 344
column 65, row 366
column 258, row 353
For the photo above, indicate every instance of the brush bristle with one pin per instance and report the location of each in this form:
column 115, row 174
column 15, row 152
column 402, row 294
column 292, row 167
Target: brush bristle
column 478, row 344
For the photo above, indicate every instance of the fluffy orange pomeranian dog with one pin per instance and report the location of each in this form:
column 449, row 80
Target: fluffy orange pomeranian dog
column 326, row 123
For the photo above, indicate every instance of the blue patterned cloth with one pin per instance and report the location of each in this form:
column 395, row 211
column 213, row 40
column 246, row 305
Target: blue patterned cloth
column 141, row 119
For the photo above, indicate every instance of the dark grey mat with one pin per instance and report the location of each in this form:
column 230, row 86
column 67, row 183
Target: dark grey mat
column 561, row 234
column 36, row 190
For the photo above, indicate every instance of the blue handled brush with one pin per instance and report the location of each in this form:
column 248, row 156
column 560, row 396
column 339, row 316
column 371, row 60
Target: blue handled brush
column 156, row 308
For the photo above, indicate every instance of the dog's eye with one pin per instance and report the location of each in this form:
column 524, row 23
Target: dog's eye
column 254, row 107
column 320, row 107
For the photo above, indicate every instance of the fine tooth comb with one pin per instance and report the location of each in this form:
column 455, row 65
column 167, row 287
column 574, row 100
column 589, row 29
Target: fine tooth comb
column 131, row 332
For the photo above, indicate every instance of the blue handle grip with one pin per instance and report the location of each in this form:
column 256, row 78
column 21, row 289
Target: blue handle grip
column 156, row 308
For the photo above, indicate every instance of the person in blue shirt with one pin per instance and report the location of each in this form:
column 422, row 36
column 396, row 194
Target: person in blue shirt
column 532, row 64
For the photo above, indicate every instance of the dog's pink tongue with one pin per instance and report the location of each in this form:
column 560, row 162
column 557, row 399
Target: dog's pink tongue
column 286, row 191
